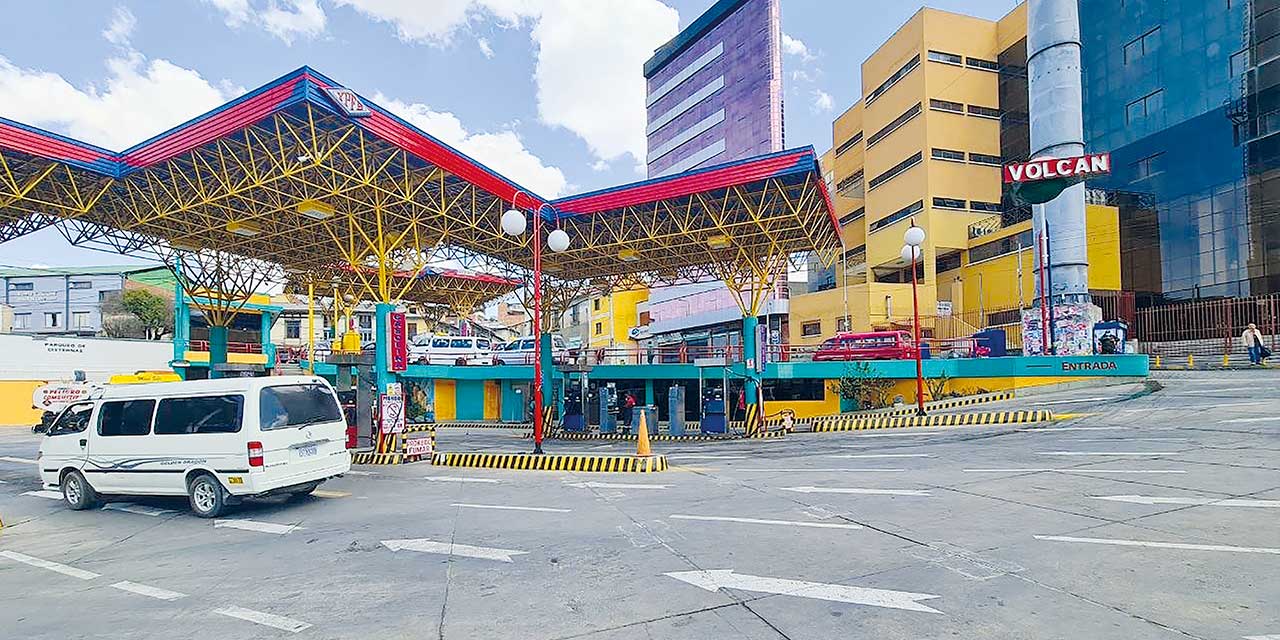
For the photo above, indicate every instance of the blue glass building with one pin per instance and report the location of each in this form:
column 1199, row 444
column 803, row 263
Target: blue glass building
column 1183, row 93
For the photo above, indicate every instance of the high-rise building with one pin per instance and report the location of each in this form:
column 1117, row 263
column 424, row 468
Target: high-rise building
column 1185, row 94
column 714, row 92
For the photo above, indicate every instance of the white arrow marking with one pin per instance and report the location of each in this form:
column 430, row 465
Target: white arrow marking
column 254, row 525
column 1106, row 453
column 450, row 548
column 881, row 455
column 859, row 491
column 265, row 619
column 148, row 590
column 1073, row 470
column 1162, row 545
column 1136, row 499
column 17, row 460
column 141, row 510
column 56, row 567
column 612, row 485
column 716, row 579
column 52, row 495
column 503, row 507
column 460, row 479
column 789, row 523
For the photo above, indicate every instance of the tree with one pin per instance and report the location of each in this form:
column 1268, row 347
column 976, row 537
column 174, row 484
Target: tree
column 938, row 386
column 862, row 383
column 137, row 313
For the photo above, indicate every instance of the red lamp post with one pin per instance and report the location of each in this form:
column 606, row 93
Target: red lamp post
column 914, row 238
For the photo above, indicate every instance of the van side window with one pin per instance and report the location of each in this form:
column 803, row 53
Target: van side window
column 460, row 343
column 125, row 418
column 481, row 343
column 296, row 405
column 74, row 419
column 203, row 414
column 440, row 343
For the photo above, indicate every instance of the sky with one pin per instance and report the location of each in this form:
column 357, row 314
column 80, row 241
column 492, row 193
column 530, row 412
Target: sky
column 547, row 92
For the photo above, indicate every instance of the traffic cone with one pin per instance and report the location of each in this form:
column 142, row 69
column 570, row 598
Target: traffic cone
column 642, row 440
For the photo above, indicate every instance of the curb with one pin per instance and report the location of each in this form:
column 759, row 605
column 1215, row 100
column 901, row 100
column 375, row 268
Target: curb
column 663, row 437
column 481, row 425
column 552, row 462
column 839, row 423
column 951, row 403
column 399, row 445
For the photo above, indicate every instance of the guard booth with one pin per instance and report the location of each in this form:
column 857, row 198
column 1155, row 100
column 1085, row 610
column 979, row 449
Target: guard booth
column 354, row 382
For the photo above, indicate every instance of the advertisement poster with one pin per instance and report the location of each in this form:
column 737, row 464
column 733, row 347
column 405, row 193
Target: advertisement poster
column 398, row 340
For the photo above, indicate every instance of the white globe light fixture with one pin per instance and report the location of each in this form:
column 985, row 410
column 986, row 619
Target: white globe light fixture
column 910, row 254
column 914, row 236
column 558, row 240
column 513, row 222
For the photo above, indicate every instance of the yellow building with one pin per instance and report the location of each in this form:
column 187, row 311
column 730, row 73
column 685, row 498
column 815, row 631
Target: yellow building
column 614, row 315
column 925, row 145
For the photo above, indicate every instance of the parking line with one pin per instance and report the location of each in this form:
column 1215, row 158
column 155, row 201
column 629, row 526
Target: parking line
column 1107, row 453
column 17, row 460
column 504, row 507
column 824, row 470
column 1073, row 470
column 56, row 567
column 265, row 619
column 147, row 590
column 460, row 479
column 789, row 523
column 254, row 525
column 880, row 455
column 44, row 493
column 1274, row 636
column 1053, row 429
column 139, row 509
column 1262, row 419
column 860, row 491
column 1162, row 545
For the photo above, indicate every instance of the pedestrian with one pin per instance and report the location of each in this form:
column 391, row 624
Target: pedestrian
column 1252, row 339
column 628, row 403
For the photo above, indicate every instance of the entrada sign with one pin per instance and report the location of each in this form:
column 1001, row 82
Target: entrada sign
column 1105, row 365
column 1057, row 168
column 348, row 101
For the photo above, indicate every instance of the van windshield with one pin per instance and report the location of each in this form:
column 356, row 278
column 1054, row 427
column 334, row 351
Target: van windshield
column 296, row 405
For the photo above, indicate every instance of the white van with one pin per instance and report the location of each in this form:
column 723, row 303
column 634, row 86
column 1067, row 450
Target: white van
column 455, row 350
column 523, row 351
column 214, row 441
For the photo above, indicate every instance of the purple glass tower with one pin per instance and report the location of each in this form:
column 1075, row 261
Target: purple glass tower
column 715, row 90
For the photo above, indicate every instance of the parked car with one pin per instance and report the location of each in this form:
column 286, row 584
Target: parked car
column 875, row 345
column 214, row 441
column 523, row 351
column 455, row 350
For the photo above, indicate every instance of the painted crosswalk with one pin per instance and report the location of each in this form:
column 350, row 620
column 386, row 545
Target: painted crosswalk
column 148, row 590
column 265, row 619
column 56, row 567
column 254, row 525
column 1162, row 545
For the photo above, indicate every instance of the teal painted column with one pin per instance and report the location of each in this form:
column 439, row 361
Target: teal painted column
column 268, row 347
column 750, row 359
column 382, row 375
column 650, row 398
column 181, row 321
column 217, row 350
column 548, row 372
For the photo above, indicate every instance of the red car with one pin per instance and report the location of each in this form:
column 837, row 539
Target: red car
column 876, row 345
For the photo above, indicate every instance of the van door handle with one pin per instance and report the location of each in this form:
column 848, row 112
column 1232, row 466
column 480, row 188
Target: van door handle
column 83, row 442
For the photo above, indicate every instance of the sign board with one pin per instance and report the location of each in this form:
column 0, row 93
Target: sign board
column 417, row 447
column 55, row 397
column 33, row 296
column 348, row 101
column 392, row 412
column 397, row 341
column 1078, row 167
column 944, row 308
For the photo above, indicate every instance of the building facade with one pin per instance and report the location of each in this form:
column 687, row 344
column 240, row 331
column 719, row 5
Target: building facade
column 714, row 92
column 69, row 301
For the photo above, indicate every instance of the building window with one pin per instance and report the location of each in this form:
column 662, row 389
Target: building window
column 1000, row 247
column 293, row 329
column 595, row 304
column 979, row 63
column 948, row 203
column 849, row 144
column 945, row 58
column 795, row 389
column 946, row 105
column 52, row 320
column 1144, row 107
column 853, row 215
column 893, row 126
column 896, row 170
column 811, row 329
column 982, row 158
column 21, row 321
column 599, row 328
column 948, row 154
column 21, row 286
column 986, row 207
column 1142, row 46
column 900, row 214
column 984, row 112
column 893, row 79
column 949, row 262
column 366, row 321
column 1147, row 167
column 842, row 324
column 1239, row 62
column 410, row 330
column 81, row 284
column 81, row 320
column 851, row 187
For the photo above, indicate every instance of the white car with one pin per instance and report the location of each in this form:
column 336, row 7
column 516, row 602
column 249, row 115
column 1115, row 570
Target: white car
column 455, row 350
column 522, row 351
column 214, row 441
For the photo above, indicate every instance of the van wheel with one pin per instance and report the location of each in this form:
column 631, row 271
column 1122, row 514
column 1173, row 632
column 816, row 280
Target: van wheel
column 77, row 492
column 499, row 362
column 303, row 491
column 461, row 362
column 208, row 498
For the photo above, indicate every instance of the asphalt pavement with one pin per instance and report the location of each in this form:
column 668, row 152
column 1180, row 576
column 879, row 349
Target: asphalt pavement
column 1151, row 515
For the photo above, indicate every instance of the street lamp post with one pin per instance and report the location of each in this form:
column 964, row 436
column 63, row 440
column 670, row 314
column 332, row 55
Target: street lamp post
column 914, row 238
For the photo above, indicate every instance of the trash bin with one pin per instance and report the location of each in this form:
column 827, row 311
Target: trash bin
column 650, row 413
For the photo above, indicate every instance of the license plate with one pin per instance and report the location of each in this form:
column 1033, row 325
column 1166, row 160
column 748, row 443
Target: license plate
column 306, row 451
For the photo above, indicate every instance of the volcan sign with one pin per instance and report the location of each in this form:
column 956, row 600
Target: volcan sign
column 348, row 101
column 1078, row 167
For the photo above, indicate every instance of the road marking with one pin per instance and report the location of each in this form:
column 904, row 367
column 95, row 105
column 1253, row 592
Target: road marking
column 1077, row 400
column 1073, row 470
column 1210, row 502
column 56, row 567
column 147, row 590
column 1106, row 453
column 254, row 525
column 503, row 507
column 880, row 455
column 789, row 523
column 1262, row 419
column 704, row 456
column 1223, row 406
column 451, row 548
column 460, row 479
column 826, row 470
column 321, row 493
column 1162, row 545
column 4, row 482
column 361, row 473
column 898, row 435
column 17, row 460
column 715, row 579
column 1130, row 440
column 613, row 485
column 139, row 509
column 265, row 619
column 1053, row 429
column 44, row 493
column 1275, row 636
column 859, row 491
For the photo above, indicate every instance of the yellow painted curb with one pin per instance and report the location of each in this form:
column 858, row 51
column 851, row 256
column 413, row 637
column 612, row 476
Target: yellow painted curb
column 553, row 462
column 852, row 423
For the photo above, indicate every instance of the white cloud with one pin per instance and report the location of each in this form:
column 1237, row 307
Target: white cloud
column 235, row 12
column 600, row 165
column 285, row 19
column 485, row 47
column 502, row 151
column 822, row 101
column 121, row 26
column 795, row 47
